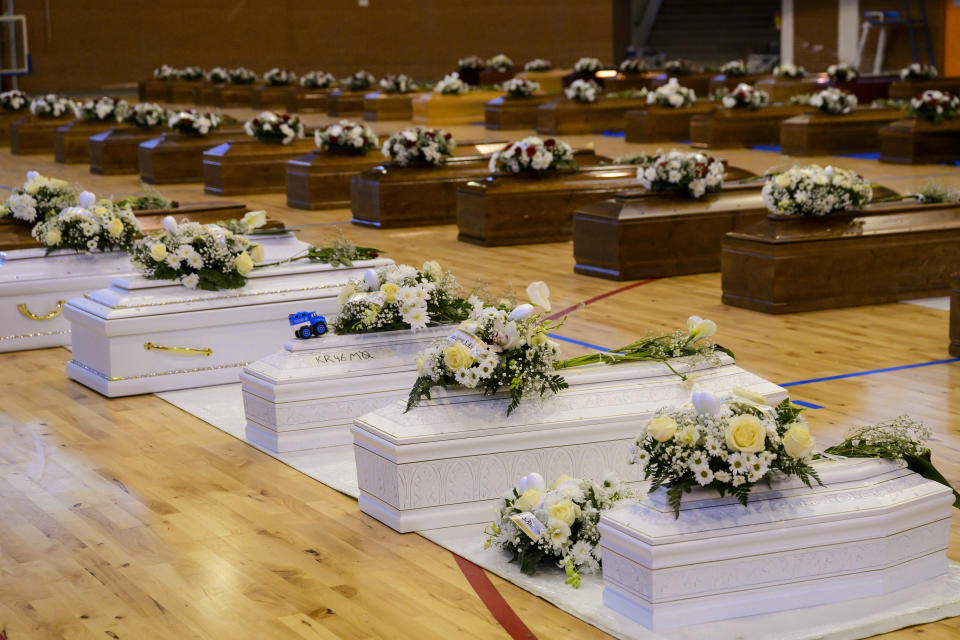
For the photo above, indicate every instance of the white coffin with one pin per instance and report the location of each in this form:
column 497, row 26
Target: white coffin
column 43, row 284
column 307, row 395
column 112, row 327
column 449, row 461
column 874, row 528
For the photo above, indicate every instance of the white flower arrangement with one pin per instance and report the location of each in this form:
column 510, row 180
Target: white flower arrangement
column 834, row 101
column 470, row 62
column 935, row 106
column 50, row 106
column 842, row 72
column 815, row 191
column 558, row 524
column 14, row 100
column 500, row 62
column 89, row 226
column 165, row 72
column 419, row 144
column 278, row 77
column 533, row 155
column 318, row 80
column 218, row 75
column 241, row 75
column 194, row 123
column 726, row 444
column 204, row 256
column 451, row 85
column 520, row 87
column 398, row 83
column 38, row 198
column 734, row 68
column 346, row 135
column 678, row 67
column 672, row 95
column 101, row 108
column 692, row 173
column 744, row 96
column 917, row 71
column 359, row 81
column 633, row 66
column 582, row 91
column 190, row 74
column 587, row 65
column 273, row 125
column 789, row 72
column 400, row 297
column 145, row 115
column 538, row 64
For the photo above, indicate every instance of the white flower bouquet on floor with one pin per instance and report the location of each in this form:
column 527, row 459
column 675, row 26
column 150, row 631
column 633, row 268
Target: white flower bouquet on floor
column 815, row 191
column 241, row 75
column 789, row 71
column 38, row 198
column 190, row 74
column 278, row 77
column 470, row 63
column 935, row 106
column 672, row 95
column 726, row 444
column 834, row 101
column 204, row 256
column 50, row 106
column 559, row 524
column 144, row 115
column 500, row 62
column 734, row 68
column 318, row 80
column 400, row 297
column 538, row 64
column 633, row 66
column 587, row 65
column 359, row 81
column 451, row 85
column 14, row 100
column 692, row 173
column 89, row 226
column 917, row 71
column 744, row 96
column 274, row 125
column 678, row 67
column 398, row 83
column 165, row 72
column 520, row 87
column 582, row 91
column 101, row 108
column 419, row 144
column 194, row 123
column 346, row 135
column 533, row 154
column 842, row 72
column 218, row 75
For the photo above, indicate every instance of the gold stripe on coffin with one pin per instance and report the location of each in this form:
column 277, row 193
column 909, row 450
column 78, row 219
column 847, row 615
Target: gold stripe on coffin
column 154, row 375
column 235, row 295
column 35, row 335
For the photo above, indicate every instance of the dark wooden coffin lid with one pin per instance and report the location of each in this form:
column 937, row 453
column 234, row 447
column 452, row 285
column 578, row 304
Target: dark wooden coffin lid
column 865, row 114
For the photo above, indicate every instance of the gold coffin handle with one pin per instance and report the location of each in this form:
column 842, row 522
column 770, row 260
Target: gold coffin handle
column 22, row 308
column 150, row 346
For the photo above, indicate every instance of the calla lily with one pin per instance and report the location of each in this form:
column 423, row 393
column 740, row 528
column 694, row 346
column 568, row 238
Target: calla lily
column 706, row 402
column 698, row 328
column 87, row 199
column 752, row 396
column 532, row 481
column 170, row 224
column 255, row 219
column 539, row 294
column 372, row 279
column 521, row 311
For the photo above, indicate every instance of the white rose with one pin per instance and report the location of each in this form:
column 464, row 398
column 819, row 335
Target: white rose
column 797, row 441
column 662, row 428
column 372, row 280
column 432, row 269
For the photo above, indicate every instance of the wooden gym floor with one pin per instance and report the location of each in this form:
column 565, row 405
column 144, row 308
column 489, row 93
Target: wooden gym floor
column 131, row 519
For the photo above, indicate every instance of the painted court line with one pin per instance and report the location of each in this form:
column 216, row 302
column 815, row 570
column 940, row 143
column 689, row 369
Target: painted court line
column 494, row 602
column 869, row 372
column 579, row 305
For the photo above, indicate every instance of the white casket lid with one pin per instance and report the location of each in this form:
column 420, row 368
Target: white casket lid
column 35, row 268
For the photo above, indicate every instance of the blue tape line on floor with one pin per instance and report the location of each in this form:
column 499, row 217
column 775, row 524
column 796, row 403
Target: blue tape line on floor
column 615, row 134
column 579, row 342
column 869, row 372
column 766, row 147
column 862, row 156
column 808, row 405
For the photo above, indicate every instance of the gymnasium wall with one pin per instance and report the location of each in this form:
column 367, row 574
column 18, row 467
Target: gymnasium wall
column 95, row 45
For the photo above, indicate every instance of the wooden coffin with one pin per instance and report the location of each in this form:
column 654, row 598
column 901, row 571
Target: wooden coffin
column 781, row 89
column 345, row 104
column 508, row 113
column 233, row 95
column 247, row 165
column 271, row 97
column 955, row 315
column 663, row 124
column 303, row 100
column 699, row 82
column 723, row 81
column 549, row 81
column 729, row 128
column 380, row 105
column 906, row 89
column 573, row 76
column 115, row 151
column 438, row 109
column 182, row 91
column 886, row 253
column 153, row 90
column 866, row 88
column 6, row 119
column 490, row 77
column 628, row 81
column 175, row 157
column 653, row 235
column 31, row 135
column 919, row 141
column 204, row 93
column 71, row 142
column 564, row 116
column 815, row 133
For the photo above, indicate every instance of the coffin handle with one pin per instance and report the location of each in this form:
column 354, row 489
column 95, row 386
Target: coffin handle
column 151, row 346
column 22, row 308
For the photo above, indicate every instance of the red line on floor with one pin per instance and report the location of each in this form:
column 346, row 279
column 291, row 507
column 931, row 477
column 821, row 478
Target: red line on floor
column 563, row 312
column 494, row 602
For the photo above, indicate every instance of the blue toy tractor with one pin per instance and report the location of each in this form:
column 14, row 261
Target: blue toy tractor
column 308, row 324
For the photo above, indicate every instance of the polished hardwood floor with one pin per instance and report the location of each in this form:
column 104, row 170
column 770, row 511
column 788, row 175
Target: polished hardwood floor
column 129, row 518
